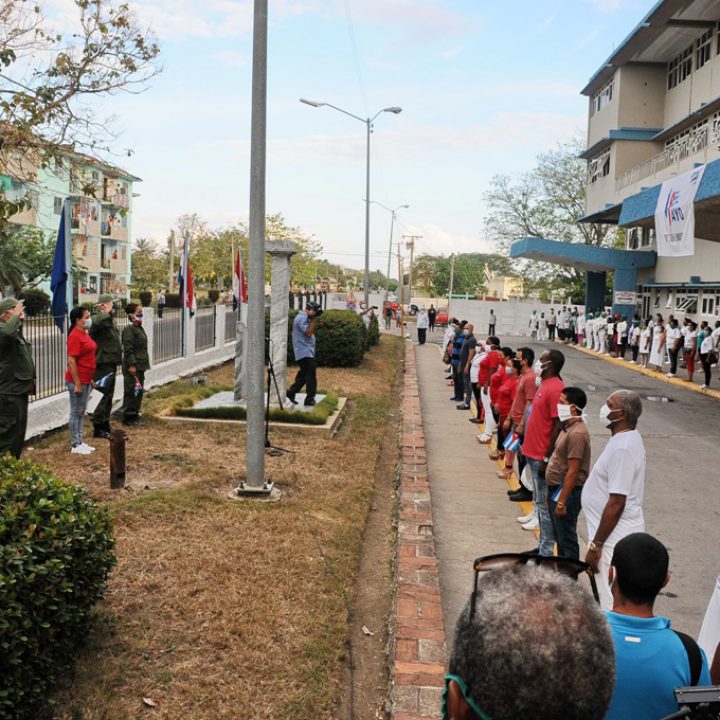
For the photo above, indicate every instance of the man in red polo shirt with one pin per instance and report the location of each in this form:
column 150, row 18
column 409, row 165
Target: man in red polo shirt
column 541, row 431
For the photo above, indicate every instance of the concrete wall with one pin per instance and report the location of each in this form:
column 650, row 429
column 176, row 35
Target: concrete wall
column 641, row 96
column 52, row 412
column 600, row 124
column 512, row 317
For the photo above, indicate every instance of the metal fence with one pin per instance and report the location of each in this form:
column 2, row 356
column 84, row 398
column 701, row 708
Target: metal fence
column 49, row 352
column 230, row 323
column 168, row 336
column 205, row 328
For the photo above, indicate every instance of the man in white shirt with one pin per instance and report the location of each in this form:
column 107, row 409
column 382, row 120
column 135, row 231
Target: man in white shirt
column 673, row 342
column 612, row 498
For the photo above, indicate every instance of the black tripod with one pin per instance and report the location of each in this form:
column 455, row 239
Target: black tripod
column 271, row 449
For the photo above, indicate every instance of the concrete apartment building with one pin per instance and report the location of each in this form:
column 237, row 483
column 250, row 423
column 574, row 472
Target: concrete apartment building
column 653, row 113
column 101, row 218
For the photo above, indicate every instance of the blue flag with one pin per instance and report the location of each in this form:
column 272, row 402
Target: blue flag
column 60, row 271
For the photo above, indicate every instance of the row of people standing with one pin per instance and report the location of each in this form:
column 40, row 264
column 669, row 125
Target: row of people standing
column 95, row 350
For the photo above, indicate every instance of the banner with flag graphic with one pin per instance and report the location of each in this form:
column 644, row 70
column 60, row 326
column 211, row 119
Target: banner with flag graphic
column 239, row 283
column 675, row 214
column 185, row 280
column 61, row 276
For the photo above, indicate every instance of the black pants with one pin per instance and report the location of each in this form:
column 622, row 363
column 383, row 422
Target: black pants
column 561, row 333
column 478, row 401
column 491, row 329
column 673, row 353
column 635, row 351
column 101, row 416
column 551, row 332
column 458, row 382
column 431, row 323
column 306, row 377
column 131, row 402
column 705, row 360
column 422, row 332
column 13, row 423
column 160, row 310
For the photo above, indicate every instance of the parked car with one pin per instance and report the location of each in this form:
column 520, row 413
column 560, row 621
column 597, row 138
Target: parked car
column 442, row 316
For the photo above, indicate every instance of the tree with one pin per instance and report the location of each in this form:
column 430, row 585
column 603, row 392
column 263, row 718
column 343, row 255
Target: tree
column 149, row 266
column 49, row 82
column 547, row 202
column 26, row 257
column 432, row 272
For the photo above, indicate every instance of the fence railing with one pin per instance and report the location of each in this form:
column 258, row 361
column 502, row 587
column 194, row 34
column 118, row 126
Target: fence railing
column 205, row 328
column 230, row 323
column 49, row 352
column 168, row 336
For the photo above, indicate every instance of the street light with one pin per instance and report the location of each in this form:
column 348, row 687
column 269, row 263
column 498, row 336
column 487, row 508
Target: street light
column 392, row 225
column 368, row 124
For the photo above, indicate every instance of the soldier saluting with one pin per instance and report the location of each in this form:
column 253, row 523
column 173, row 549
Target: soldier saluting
column 17, row 377
column 108, row 357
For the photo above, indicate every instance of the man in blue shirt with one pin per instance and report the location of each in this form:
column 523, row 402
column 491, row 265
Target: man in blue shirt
column 303, row 340
column 651, row 659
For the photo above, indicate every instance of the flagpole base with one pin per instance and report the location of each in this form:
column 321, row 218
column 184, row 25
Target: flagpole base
column 267, row 492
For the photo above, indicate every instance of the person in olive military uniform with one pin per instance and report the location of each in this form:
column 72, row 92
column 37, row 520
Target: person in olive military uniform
column 17, row 377
column 134, row 365
column 108, row 357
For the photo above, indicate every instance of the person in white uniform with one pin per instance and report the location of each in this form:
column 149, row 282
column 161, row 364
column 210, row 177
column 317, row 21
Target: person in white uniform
column 613, row 495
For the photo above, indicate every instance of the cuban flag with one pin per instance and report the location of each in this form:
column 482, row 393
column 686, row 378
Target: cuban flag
column 240, row 296
column 185, row 281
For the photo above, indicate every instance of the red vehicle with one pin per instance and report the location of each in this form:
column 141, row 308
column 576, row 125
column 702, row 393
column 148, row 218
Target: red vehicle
column 442, row 316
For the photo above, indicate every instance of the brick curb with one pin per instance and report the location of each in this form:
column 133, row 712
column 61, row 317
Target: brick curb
column 419, row 653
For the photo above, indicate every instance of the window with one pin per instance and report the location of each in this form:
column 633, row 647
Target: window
column 601, row 98
column 632, row 239
column 57, row 205
column 647, row 239
column 686, row 302
column 673, row 73
column 708, row 305
column 599, row 167
column 717, row 304
column 703, row 49
column 656, row 304
column 680, row 68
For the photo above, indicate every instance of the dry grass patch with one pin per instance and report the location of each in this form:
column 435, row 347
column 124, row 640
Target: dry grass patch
column 222, row 609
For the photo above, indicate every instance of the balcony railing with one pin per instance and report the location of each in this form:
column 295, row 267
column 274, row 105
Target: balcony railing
column 682, row 148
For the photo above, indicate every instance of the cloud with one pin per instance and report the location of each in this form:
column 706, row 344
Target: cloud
column 542, row 27
column 453, row 52
column 231, row 58
column 605, row 6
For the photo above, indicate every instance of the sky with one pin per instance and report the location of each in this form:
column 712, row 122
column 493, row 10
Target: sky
column 484, row 88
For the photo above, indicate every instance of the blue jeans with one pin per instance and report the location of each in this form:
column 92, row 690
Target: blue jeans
column 540, row 494
column 468, row 389
column 78, row 406
column 566, row 526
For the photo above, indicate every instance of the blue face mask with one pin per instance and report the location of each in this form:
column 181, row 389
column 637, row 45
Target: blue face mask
column 139, row 316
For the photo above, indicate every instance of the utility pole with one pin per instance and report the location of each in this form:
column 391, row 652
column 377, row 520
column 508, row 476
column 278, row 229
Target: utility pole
column 402, row 291
column 452, row 277
column 411, row 247
column 171, row 271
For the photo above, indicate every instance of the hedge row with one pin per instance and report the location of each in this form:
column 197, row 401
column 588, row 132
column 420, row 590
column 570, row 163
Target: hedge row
column 56, row 551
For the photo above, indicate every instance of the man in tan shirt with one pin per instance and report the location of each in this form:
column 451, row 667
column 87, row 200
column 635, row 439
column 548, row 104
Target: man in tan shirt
column 567, row 470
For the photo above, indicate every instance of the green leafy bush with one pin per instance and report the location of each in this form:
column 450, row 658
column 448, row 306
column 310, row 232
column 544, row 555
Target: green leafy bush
column 340, row 339
column 56, row 551
column 145, row 298
column 36, row 301
column 214, row 295
column 374, row 331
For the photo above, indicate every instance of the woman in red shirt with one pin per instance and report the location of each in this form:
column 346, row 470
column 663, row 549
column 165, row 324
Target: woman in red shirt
column 505, row 397
column 79, row 374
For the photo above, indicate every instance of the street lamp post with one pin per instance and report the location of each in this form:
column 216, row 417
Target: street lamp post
column 368, row 125
column 393, row 214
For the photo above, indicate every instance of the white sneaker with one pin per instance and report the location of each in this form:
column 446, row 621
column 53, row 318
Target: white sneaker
column 703, row 387
column 632, row 362
column 526, row 518
column 670, row 375
column 80, row 450
column 533, row 524
column 483, row 439
column 89, row 448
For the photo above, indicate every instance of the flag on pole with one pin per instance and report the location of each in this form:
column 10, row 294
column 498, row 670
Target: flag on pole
column 239, row 283
column 61, row 271
column 185, row 281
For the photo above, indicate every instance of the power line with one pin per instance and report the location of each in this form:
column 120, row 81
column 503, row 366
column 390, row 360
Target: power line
column 356, row 54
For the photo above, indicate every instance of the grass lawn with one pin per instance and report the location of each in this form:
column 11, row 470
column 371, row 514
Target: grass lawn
column 227, row 609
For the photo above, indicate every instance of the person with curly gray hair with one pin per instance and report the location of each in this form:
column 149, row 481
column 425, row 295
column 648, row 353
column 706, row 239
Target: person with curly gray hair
column 535, row 645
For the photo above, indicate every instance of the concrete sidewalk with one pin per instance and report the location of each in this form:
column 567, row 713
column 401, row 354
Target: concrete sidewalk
column 471, row 513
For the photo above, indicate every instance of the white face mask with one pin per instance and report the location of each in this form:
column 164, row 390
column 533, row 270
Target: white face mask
column 537, row 367
column 508, row 370
column 564, row 412
column 88, row 323
column 538, row 381
column 605, row 411
column 488, row 347
column 466, row 332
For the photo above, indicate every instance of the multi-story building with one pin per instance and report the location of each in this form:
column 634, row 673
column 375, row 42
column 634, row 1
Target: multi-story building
column 654, row 113
column 101, row 218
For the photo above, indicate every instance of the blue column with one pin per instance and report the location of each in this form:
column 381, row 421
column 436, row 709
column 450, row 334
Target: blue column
column 625, row 279
column 595, row 290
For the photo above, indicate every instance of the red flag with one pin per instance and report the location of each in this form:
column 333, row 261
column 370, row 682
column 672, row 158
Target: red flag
column 239, row 282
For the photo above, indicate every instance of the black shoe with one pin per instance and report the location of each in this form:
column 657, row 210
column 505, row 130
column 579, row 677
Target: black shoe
column 99, row 431
column 449, row 377
column 462, row 407
column 134, row 422
column 521, row 495
column 309, row 401
column 456, row 399
column 291, row 397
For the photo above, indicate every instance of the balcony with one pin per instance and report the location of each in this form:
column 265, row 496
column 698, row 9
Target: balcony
column 687, row 144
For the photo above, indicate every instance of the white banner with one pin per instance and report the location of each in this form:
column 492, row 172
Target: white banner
column 675, row 214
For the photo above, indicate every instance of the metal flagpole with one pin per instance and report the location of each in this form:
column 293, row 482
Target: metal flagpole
column 256, row 262
column 185, row 309
column 69, row 257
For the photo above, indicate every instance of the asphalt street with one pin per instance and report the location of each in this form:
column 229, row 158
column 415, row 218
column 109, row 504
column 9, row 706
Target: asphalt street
column 681, row 432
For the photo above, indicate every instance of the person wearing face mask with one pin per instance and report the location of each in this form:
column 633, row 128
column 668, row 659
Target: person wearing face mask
column 17, row 377
column 488, row 366
column 613, row 495
column 568, row 469
column 136, row 363
column 467, row 353
column 79, row 375
column 457, row 370
column 707, row 355
column 107, row 359
column 505, row 397
column 673, row 343
column 541, row 430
